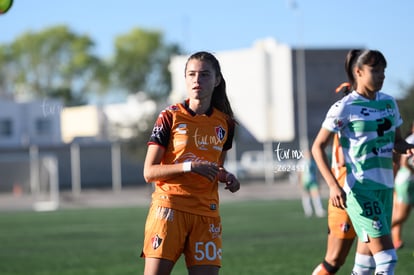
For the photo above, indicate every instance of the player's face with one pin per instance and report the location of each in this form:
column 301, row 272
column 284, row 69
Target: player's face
column 370, row 79
column 200, row 79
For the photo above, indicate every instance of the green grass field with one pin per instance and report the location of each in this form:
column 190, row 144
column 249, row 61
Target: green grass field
column 259, row 237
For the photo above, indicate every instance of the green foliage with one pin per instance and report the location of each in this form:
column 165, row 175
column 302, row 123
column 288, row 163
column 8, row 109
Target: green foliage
column 45, row 63
column 259, row 237
column 57, row 62
column 141, row 62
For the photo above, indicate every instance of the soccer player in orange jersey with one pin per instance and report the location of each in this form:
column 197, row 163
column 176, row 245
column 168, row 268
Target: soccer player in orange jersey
column 185, row 157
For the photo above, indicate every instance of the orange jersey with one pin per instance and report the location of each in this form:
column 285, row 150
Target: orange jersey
column 190, row 137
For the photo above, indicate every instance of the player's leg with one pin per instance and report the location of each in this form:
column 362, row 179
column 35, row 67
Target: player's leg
column 384, row 254
column 164, row 239
column 400, row 215
column 307, row 204
column 341, row 236
column 403, row 202
column 364, row 263
column 203, row 250
column 203, row 270
column 373, row 226
column 154, row 266
column 338, row 250
column 336, row 253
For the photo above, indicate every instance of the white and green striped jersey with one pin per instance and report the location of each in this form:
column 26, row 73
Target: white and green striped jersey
column 366, row 129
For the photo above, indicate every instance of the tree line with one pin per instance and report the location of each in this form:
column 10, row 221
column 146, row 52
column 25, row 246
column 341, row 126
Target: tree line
column 58, row 63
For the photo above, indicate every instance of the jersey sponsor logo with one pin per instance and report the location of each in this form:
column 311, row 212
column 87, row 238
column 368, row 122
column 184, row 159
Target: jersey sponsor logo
column 376, row 224
column 377, row 151
column 192, row 157
column 203, row 141
column 388, row 111
column 215, row 231
column 156, row 241
column 182, row 129
column 384, row 124
column 156, row 131
column 365, row 112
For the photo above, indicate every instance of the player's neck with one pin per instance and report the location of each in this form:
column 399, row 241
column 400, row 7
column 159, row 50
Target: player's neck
column 199, row 107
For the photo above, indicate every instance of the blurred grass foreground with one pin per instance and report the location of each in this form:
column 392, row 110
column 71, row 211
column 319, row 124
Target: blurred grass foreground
column 259, row 237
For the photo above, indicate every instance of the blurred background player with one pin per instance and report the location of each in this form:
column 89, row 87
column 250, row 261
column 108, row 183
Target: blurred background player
column 403, row 194
column 309, row 184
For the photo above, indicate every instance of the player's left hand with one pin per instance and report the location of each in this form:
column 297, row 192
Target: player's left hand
column 232, row 183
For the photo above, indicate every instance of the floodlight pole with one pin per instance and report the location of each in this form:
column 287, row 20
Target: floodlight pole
column 75, row 169
column 268, row 144
column 301, row 83
column 302, row 106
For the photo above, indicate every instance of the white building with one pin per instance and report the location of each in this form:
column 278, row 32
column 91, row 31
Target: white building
column 34, row 122
column 111, row 121
column 259, row 86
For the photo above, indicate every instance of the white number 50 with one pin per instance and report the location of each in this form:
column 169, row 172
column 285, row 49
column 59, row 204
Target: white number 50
column 207, row 250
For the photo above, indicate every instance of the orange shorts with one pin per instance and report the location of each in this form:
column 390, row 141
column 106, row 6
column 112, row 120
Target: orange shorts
column 170, row 233
column 339, row 223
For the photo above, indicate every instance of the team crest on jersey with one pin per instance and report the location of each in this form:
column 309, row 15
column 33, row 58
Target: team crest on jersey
column 156, row 241
column 390, row 110
column 376, row 224
column 338, row 123
column 345, row 227
column 220, row 132
column 173, row 108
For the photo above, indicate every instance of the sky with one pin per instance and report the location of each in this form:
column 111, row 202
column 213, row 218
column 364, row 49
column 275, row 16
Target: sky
column 225, row 25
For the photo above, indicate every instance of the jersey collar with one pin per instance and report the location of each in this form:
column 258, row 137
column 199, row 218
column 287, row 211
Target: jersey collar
column 187, row 107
